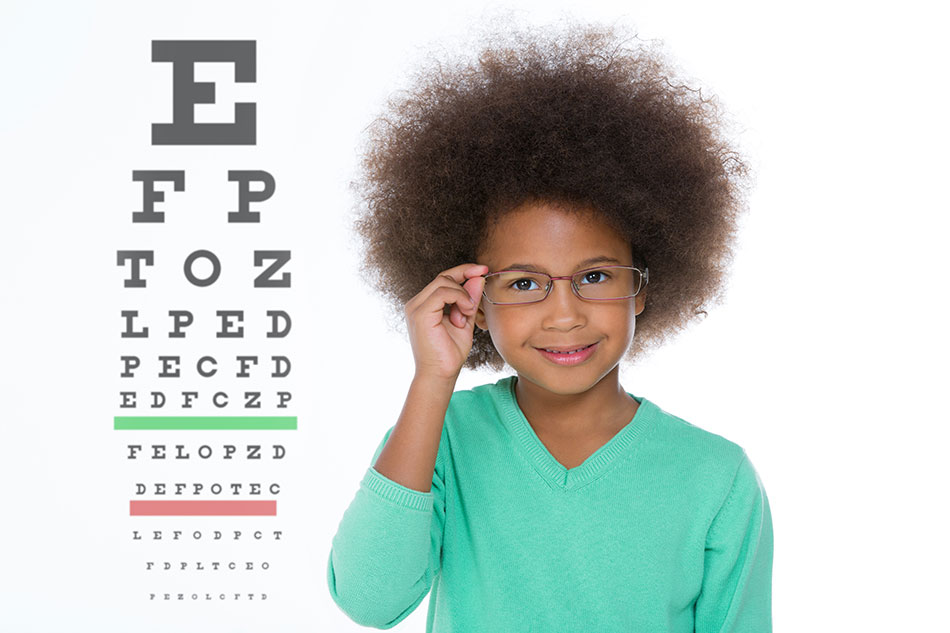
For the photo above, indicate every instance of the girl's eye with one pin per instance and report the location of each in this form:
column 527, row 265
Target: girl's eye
column 595, row 277
column 524, row 284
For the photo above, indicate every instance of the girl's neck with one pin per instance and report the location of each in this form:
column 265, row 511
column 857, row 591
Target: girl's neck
column 604, row 408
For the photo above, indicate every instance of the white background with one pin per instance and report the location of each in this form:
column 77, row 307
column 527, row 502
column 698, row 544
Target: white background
column 826, row 363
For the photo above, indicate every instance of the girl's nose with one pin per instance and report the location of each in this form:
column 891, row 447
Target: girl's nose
column 564, row 309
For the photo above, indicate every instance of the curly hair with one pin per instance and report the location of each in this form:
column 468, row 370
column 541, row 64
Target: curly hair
column 579, row 117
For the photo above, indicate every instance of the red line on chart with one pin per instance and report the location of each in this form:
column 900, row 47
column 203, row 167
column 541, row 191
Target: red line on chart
column 216, row 508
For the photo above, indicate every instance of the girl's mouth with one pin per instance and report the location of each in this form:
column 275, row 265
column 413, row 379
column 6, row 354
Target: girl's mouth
column 568, row 356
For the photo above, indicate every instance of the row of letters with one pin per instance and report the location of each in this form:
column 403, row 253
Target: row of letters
column 201, row 566
column 206, row 596
column 215, row 535
column 197, row 489
column 220, row 399
column 160, row 451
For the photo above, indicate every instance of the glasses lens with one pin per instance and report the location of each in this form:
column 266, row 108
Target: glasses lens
column 607, row 283
column 516, row 286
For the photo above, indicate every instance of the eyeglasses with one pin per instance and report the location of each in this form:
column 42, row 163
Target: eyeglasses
column 607, row 283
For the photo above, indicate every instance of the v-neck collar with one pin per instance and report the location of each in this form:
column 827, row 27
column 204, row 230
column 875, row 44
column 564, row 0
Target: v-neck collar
column 554, row 471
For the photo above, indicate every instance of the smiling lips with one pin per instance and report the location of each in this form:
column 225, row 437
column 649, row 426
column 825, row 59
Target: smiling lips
column 565, row 349
column 568, row 355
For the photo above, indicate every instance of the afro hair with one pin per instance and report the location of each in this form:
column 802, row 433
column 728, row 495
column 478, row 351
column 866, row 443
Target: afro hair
column 587, row 116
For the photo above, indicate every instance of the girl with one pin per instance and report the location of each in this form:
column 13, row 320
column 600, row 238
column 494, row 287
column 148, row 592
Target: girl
column 557, row 206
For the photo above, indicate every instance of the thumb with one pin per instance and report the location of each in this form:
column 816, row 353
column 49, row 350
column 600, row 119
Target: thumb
column 474, row 287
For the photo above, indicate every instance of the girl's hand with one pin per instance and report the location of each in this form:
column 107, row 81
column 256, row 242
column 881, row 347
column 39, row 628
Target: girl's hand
column 441, row 320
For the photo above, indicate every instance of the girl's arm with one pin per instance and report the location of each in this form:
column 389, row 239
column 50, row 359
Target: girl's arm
column 387, row 549
column 441, row 321
column 408, row 458
column 736, row 595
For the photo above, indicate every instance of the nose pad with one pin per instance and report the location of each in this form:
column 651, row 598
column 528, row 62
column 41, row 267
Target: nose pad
column 564, row 307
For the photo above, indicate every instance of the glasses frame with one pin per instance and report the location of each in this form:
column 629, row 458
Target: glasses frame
column 644, row 280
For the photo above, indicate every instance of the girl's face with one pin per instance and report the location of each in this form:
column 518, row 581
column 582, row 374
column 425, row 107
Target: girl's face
column 544, row 238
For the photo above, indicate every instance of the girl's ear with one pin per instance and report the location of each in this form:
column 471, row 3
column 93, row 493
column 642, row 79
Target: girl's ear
column 480, row 321
column 639, row 302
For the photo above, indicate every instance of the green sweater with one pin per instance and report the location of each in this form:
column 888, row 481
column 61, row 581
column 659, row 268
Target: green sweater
column 665, row 528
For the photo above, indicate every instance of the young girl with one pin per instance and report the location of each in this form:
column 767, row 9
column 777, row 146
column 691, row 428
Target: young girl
column 557, row 206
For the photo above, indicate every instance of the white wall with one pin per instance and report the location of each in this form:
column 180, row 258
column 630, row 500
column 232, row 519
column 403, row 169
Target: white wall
column 826, row 363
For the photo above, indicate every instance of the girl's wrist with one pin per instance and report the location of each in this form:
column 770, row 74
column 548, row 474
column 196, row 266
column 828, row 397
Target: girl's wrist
column 433, row 382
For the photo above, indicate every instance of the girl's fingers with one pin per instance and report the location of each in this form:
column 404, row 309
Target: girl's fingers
column 456, row 317
column 459, row 319
column 453, row 277
column 441, row 317
column 447, row 280
column 465, row 271
column 462, row 311
column 474, row 288
column 444, row 297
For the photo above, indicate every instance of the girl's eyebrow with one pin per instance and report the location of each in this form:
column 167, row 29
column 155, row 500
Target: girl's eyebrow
column 584, row 264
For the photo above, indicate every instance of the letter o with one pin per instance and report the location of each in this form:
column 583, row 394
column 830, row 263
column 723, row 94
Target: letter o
column 215, row 268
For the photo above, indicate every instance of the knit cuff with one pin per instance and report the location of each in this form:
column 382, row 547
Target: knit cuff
column 397, row 493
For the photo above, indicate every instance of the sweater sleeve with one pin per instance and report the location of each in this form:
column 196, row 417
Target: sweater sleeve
column 736, row 595
column 387, row 549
